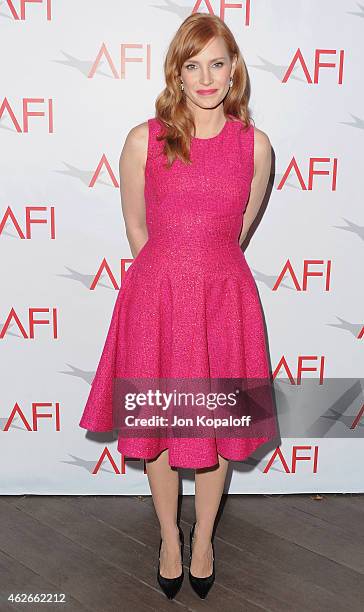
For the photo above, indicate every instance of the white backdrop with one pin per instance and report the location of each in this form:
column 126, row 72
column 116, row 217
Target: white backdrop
column 64, row 115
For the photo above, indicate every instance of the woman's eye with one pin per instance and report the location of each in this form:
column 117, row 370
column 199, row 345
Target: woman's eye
column 194, row 65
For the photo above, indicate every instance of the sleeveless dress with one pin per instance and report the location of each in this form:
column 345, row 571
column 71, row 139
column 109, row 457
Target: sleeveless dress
column 188, row 305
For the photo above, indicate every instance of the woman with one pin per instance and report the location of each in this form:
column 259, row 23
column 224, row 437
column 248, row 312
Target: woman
column 188, row 306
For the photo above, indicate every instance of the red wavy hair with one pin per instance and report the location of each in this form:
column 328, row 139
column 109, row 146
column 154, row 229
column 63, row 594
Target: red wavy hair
column 171, row 108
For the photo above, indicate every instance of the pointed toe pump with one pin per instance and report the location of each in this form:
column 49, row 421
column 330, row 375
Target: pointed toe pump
column 201, row 585
column 171, row 586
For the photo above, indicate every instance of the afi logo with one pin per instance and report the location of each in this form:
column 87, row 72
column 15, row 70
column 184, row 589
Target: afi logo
column 108, row 456
column 306, row 272
column 104, row 266
column 318, row 360
column 223, row 5
column 103, row 164
column 312, row 171
column 104, row 54
column 26, row 112
column 20, row 14
column 298, row 58
column 32, row 423
column 29, row 221
column 32, row 322
column 292, row 469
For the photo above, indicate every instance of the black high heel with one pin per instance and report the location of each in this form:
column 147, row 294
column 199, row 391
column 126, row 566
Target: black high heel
column 171, row 586
column 201, row 585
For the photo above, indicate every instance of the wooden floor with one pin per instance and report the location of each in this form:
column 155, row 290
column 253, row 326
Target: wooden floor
column 287, row 553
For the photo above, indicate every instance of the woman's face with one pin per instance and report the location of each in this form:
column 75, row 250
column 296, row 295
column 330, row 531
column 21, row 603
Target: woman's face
column 206, row 76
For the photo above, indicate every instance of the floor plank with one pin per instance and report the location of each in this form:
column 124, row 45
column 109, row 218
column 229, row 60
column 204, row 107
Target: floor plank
column 16, row 578
column 313, row 532
column 279, row 574
column 274, row 553
column 73, row 568
column 99, row 525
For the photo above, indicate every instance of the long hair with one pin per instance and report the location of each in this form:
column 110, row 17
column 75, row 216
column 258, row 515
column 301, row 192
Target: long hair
column 171, row 108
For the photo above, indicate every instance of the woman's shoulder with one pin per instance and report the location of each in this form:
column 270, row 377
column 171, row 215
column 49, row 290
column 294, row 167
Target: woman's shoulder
column 261, row 140
column 260, row 137
column 136, row 144
column 262, row 149
column 139, row 132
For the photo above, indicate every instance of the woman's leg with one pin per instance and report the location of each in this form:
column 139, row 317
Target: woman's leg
column 164, row 486
column 209, row 487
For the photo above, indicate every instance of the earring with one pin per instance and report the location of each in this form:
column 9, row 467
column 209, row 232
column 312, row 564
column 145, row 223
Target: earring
column 182, row 88
column 230, row 83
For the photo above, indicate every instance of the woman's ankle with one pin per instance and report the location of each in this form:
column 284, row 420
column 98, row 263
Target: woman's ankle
column 169, row 533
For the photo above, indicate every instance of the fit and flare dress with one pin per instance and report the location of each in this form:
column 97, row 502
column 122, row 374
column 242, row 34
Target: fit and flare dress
column 188, row 305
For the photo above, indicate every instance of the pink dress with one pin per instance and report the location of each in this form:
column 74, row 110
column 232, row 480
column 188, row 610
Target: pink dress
column 188, row 305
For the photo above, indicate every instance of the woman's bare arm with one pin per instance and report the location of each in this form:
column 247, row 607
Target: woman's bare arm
column 131, row 171
column 262, row 169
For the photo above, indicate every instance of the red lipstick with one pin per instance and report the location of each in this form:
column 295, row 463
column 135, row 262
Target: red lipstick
column 206, row 92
